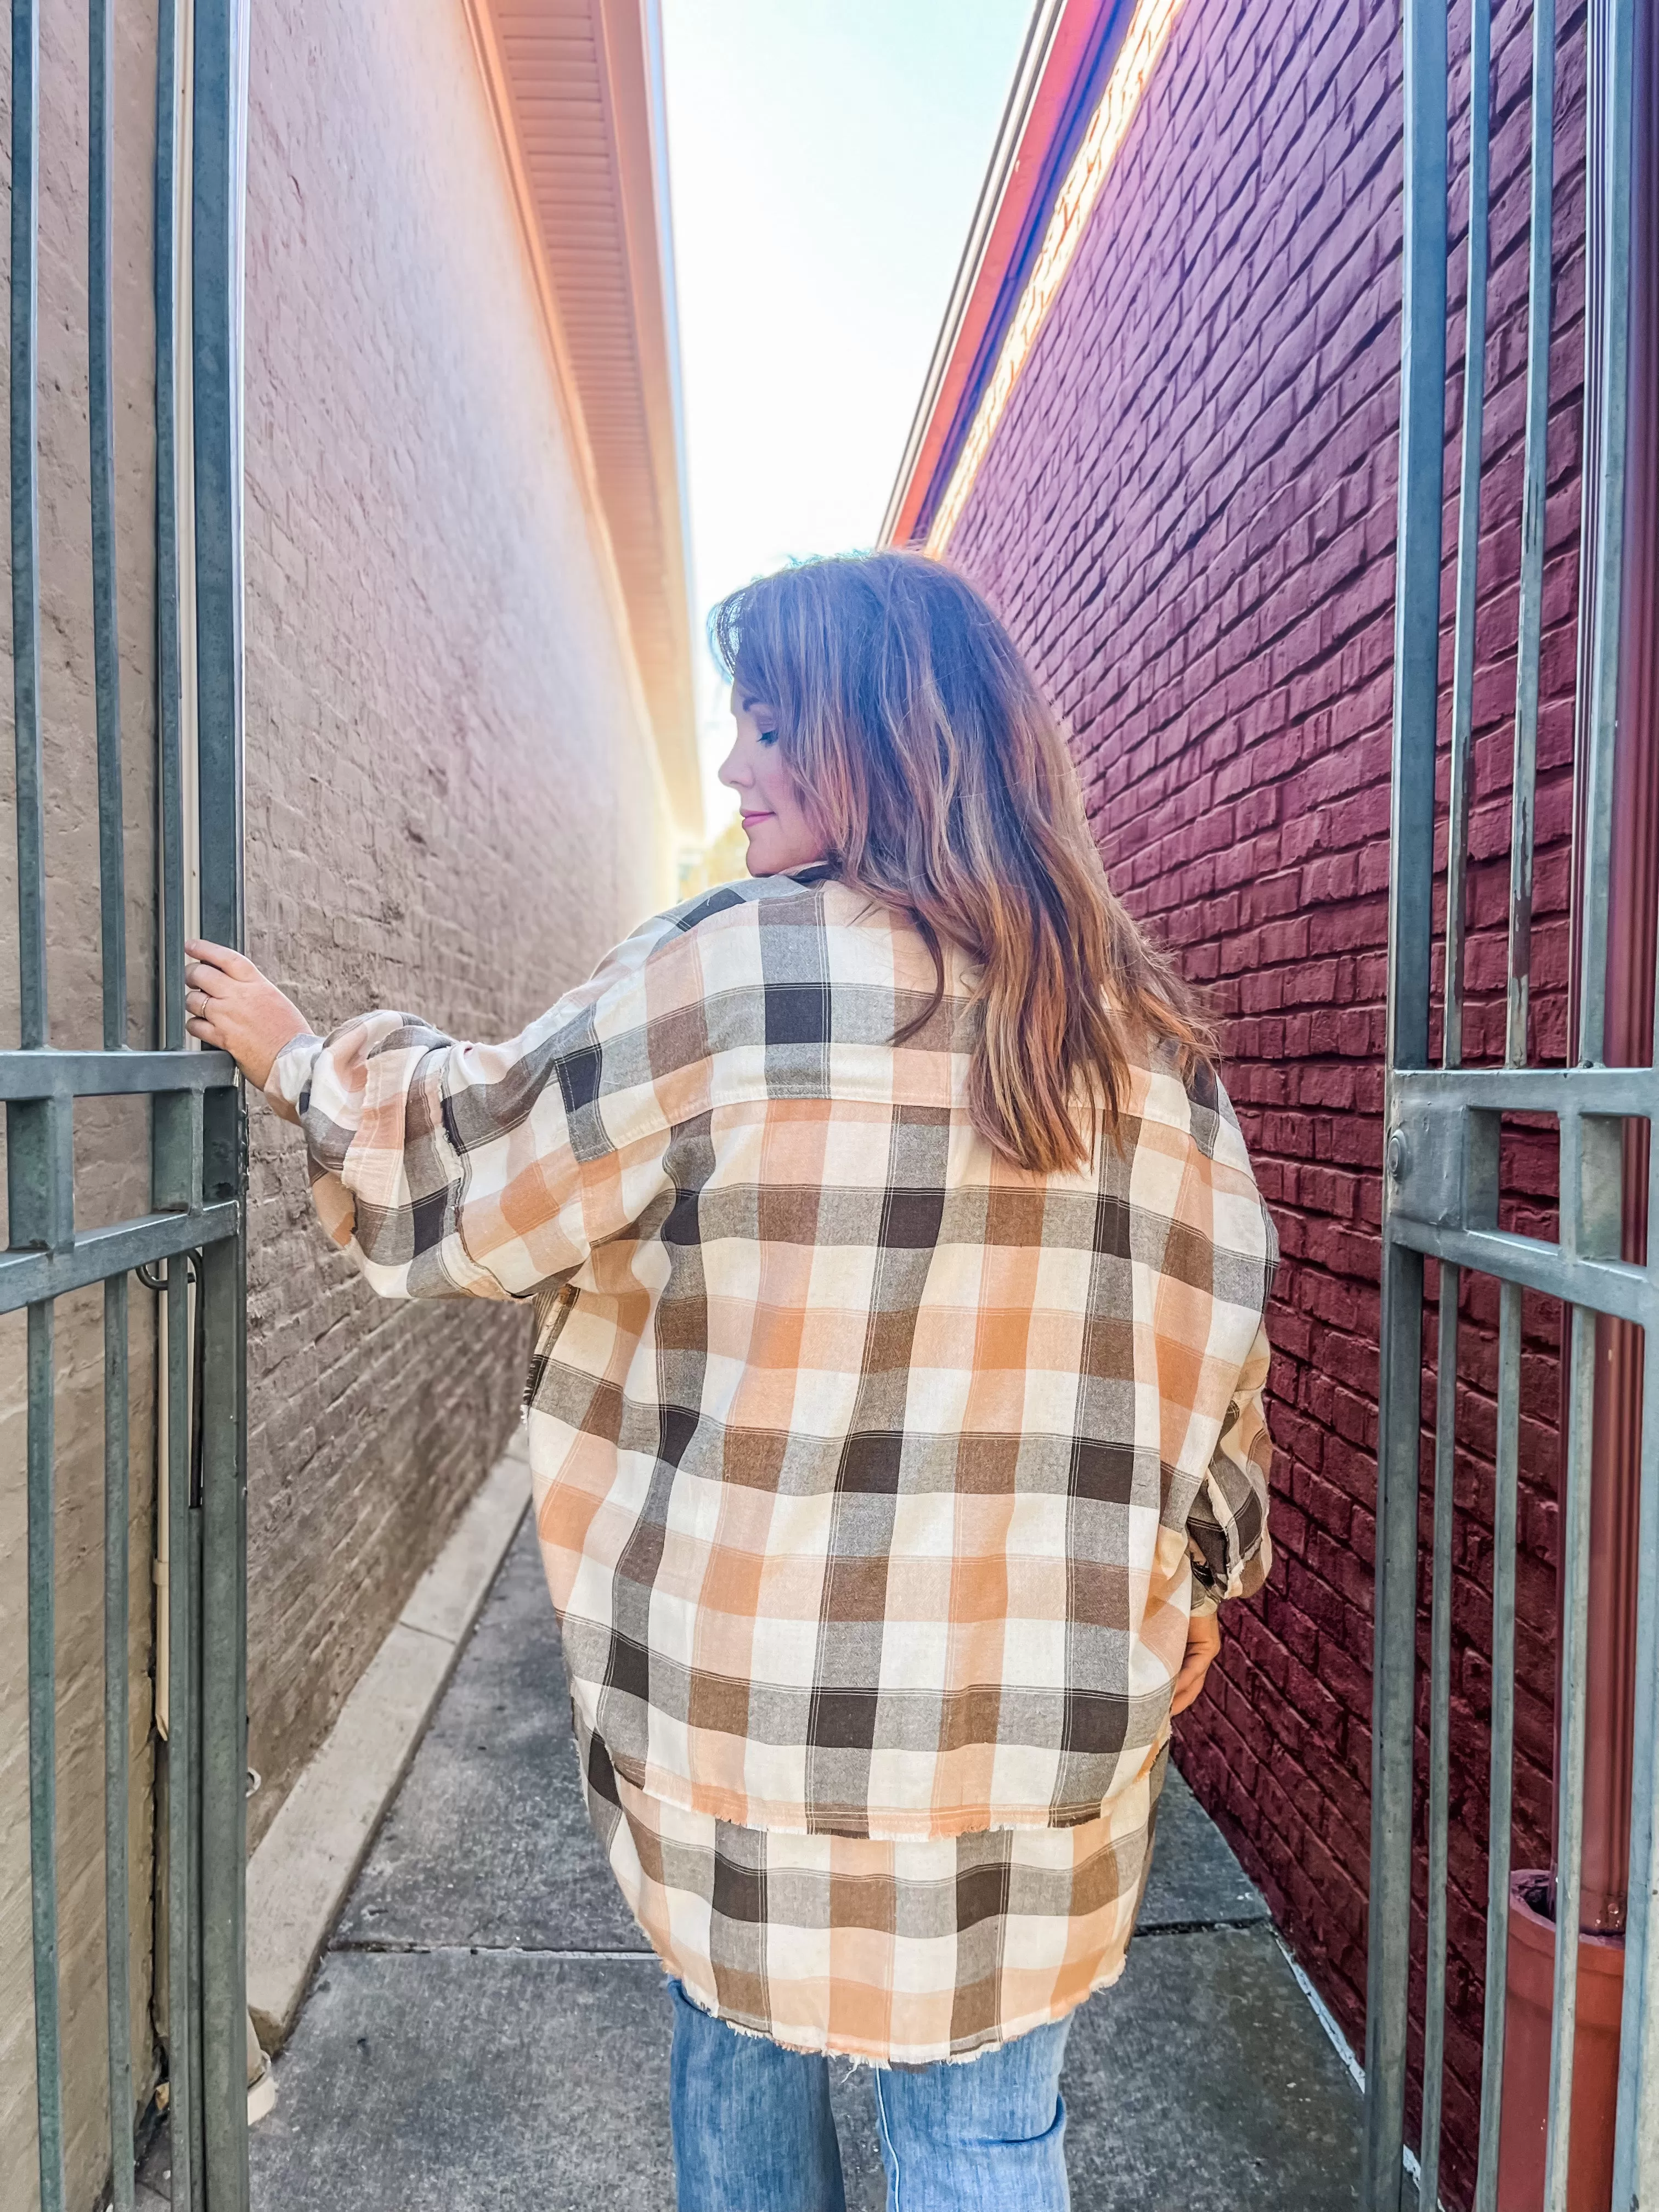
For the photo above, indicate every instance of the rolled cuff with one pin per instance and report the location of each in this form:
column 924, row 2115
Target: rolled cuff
column 290, row 1076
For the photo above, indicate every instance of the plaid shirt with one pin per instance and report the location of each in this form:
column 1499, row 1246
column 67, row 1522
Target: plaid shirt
column 875, row 1477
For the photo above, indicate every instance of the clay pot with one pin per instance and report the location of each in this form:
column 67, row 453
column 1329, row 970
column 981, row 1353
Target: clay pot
column 1525, row 2124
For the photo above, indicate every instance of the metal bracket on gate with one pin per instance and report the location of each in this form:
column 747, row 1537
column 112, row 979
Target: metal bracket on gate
column 1442, row 1164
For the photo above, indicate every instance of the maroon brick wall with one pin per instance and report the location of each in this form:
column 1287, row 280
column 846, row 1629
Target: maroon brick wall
column 1188, row 515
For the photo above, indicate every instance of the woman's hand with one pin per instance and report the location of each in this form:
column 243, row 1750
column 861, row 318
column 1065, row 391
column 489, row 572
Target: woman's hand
column 230, row 1004
column 1203, row 1645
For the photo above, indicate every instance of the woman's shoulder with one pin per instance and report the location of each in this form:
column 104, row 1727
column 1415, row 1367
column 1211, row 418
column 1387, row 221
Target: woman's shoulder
column 742, row 905
column 806, row 925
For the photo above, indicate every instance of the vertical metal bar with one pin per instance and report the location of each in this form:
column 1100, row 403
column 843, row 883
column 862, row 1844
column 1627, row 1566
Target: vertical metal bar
column 1457, row 845
column 1418, row 561
column 1534, row 487
column 224, row 1728
column 1611, row 73
column 216, row 219
column 204, row 2197
column 1469, row 524
column 116, row 1691
column 1501, row 1788
column 1570, row 1812
column 1434, row 2003
column 171, row 842
column 1636, row 2134
column 101, row 412
column 181, row 1733
column 25, row 556
column 1611, row 67
column 43, row 1759
column 1389, row 1957
column 1417, row 644
column 217, row 414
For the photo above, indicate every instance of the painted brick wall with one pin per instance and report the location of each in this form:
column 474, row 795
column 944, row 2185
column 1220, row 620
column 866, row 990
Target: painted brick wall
column 1187, row 516
column 451, row 804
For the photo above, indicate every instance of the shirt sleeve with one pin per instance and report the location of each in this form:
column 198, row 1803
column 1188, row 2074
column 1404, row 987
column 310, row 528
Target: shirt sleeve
column 1227, row 1529
column 447, row 1170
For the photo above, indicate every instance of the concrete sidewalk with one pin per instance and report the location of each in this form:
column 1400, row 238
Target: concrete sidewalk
column 488, row 2028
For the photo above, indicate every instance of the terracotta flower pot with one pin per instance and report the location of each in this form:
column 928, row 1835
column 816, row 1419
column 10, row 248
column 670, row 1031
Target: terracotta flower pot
column 1527, row 2058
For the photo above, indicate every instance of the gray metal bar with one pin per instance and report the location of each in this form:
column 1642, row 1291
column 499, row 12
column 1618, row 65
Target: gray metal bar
column 116, row 1935
column 1502, row 1785
column 1612, row 68
column 1636, row 2134
column 1388, row 1960
column 170, row 854
column 1457, row 844
column 224, row 1726
column 1609, row 1286
column 101, row 1074
column 1469, row 528
column 216, row 387
column 1534, row 487
column 1410, row 887
column 202, row 2200
column 1569, row 1809
column 181, row 1737
column 28, row 1277
column 25, row 519
column 101, row 412
column 43, row 1760
column 215, row 402
column 1422, row 458
column 1434, row 2003
column 1612, row 1092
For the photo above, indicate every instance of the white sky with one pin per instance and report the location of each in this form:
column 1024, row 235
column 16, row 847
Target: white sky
column 825, row 158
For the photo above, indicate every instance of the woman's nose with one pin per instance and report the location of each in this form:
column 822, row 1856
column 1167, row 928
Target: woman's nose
column 730, row 774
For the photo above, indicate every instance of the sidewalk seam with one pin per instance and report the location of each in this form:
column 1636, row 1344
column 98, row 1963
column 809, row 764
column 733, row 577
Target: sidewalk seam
column 1341, row 2045
column 299, row 1877
column 393, row 1948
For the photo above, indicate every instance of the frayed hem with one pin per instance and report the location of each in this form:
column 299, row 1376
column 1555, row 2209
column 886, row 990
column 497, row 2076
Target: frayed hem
column 867, row 2061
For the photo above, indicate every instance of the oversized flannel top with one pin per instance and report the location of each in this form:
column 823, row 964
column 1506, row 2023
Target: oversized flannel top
column 875, row 1477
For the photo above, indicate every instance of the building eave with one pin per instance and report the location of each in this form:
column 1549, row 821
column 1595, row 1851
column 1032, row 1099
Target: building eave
column 578, row 91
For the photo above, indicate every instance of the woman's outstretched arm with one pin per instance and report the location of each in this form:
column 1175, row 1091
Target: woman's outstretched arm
column 449, row 1169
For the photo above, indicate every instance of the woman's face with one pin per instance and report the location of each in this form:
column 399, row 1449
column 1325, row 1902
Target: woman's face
column 780, row 833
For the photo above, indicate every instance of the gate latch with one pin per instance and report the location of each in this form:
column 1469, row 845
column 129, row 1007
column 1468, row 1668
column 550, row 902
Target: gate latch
column 1442, row 1164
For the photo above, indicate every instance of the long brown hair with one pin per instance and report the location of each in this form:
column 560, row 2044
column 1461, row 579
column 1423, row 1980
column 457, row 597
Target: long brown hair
column 942, row 785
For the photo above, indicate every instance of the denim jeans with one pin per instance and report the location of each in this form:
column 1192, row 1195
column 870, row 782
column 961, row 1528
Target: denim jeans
column 753, row 2130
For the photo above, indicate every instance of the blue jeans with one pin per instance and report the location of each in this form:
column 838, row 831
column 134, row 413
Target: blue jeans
column 753, row 2130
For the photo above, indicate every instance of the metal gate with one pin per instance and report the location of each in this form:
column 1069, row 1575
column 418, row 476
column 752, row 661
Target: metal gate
column 1442, row 1167
column 188, row 1251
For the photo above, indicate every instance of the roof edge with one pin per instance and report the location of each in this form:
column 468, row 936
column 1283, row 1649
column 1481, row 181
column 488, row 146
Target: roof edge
column 1064, row 65
column 628, row 34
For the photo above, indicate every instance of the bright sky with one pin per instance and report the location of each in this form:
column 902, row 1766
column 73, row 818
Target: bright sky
column 826, row 155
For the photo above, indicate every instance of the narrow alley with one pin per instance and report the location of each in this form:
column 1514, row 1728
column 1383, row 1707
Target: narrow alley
column 412, row 2080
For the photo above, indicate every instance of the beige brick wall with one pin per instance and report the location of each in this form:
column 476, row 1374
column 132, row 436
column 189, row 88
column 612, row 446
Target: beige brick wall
column 452, row 803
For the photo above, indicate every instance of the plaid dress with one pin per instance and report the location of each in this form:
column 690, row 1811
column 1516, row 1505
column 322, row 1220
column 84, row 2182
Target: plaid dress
column 875, row 1477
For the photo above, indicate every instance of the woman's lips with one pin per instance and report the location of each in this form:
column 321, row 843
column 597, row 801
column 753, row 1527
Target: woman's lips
column 748, row 820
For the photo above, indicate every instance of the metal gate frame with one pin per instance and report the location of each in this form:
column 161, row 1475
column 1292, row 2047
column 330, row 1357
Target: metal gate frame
column 1441, row 1169
column 196, row 1119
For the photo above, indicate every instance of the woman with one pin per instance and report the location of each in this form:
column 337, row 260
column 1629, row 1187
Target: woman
column 896, row 1406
